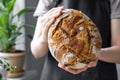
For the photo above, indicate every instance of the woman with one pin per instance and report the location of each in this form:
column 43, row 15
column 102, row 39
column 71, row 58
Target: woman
column 105, row 14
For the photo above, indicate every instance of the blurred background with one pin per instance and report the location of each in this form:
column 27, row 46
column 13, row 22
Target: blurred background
column 30, row 62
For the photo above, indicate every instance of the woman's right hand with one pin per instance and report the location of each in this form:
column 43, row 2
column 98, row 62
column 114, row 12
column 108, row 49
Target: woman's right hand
column 39, row 45
column 48, row 19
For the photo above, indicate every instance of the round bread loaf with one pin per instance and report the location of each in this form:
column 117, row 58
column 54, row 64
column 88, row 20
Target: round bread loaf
column 74, row 40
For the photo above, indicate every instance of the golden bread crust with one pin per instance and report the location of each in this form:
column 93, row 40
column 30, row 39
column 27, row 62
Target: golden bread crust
column 74, row 39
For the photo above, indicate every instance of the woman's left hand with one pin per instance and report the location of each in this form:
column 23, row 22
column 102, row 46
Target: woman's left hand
column 76, row 71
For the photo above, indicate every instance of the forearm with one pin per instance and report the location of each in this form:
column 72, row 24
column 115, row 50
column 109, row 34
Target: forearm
column 110, row 54
column 39, row 48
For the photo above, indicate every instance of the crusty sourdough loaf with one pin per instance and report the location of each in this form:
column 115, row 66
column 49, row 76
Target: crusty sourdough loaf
column 74, row 39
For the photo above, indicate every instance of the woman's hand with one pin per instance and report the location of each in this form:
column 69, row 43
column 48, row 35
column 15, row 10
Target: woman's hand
column 39, row 46
column 48, row 19
column 76, row 71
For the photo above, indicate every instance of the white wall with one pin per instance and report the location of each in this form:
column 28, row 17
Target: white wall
column 20, row 4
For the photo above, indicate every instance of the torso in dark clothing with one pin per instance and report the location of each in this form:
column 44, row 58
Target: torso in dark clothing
column 99, row 12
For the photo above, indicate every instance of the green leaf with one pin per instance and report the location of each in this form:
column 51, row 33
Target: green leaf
column 23, row 11
column 5, row 44
column 14, row 35
column 29, row 26
column 4, row 2
column 0, row 76
column 1, row 7
column 13, row 26
column 2, row 32
column 6, row 65
column 4, row 17
column 11, row 5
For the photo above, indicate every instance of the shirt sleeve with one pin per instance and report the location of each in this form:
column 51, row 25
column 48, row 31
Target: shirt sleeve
column 115, row 8
column 43, row 6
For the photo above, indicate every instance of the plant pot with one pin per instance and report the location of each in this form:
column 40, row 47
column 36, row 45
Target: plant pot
column 15, row 59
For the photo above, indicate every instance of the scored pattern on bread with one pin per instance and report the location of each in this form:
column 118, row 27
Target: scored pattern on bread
column 74, row 39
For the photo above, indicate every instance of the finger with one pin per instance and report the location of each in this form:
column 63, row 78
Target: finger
column 52, row 15
column 75, row 71
column 48, row 23
column 92, row 64
column 61, row 65
column 54, row 9
column 45, row 28
column 56, row 14
column 70, row 70
column 59, row 11
column 50, row 20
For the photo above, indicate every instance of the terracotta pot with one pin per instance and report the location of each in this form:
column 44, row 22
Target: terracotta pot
column 15, row 59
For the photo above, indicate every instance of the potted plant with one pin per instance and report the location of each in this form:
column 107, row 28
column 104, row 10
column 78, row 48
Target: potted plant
column 9, row 32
